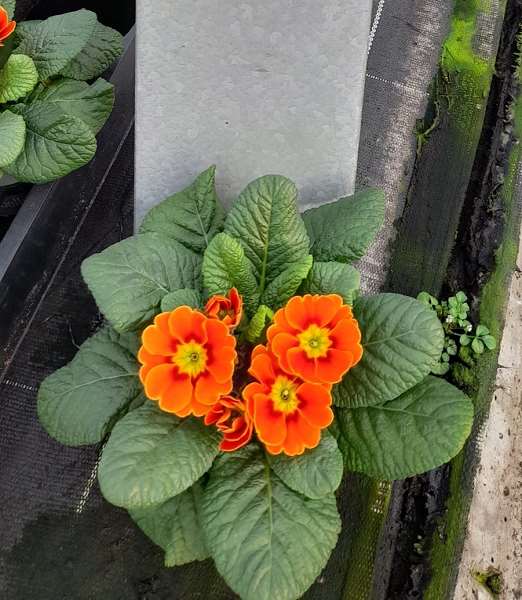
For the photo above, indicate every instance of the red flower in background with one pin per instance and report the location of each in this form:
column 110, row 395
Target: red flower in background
column 232, row 419
column 6, row 26
column 228, row 310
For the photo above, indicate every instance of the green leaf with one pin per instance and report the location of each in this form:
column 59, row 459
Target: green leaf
column 465, row 340
column 490, row 342
column 333, row 278
column 258, row 323
column 477, row 346
column 183, row 297
column 53, row 43
column 482, row 330
column 90, row 103
column 192, row 217
column 316, row 473
column 264, row 219
column 17, row 78
column 103, row 47
column 9, row 6
column 267, row 541
column 129, row 279
column 402, row 341
column 55, row 144
column 440, row 368
column 225, row 266
column 175, row 527
column 284, row 286
column 343, row 230
column 420, row 430
column 79, row 403
column 152, row 456
column 12, row 134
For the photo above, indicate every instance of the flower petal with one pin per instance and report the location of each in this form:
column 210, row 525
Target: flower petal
column 334, row 365
column 221, row 364
column 270, row 425
column 149, row 361
column 296, row 313
column 262, row 368
column 187, row 324
column 280, row 345
column 177, row 395
column 208, row 390
column 158, row 379
column 301, row 365
column 293, row 444
column 345, row 335
column 156, row 337
column 315, row 404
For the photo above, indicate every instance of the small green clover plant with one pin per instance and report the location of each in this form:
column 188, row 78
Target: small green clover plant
column 462, row 342
column 52, row 100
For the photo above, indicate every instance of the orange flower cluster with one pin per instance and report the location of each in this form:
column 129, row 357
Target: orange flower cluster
column 188, row 360
column 6, row 26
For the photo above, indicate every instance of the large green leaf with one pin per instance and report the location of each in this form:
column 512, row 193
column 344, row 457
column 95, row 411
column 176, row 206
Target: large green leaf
column 192, row 216
column 129, row 279
column 402, row 340
column 55, row 144
column 12, row 134
column 80, row 403
column 316, row 473
column 264, row 219
column 53, row 43
column 416, row 432
column 343, row 230
column 175, row 526
column 333, row 278
column 183, row 297
column 225, row 266
column 17, row 78
column 152, row 456
column 9, row 6
column 284, row 286
column 268, row 541
column 90, row 103
column 103, row 47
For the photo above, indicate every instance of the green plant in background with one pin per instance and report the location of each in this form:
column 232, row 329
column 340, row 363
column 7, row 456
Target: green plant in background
column 52, row 101
column 462, row 342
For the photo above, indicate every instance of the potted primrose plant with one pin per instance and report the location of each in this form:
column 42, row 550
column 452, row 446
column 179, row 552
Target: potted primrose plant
column 239, row 375
column 53, row 101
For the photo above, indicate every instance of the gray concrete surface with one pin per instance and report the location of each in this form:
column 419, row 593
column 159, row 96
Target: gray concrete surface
column 254, row 87
column 494, row 535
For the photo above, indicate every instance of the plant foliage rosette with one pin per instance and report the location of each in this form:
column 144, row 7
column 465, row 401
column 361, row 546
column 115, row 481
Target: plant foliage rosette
column 49, row 112
column 241, row 372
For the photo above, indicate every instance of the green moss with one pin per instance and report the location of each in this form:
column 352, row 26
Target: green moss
column 491, row 580
column 492, row 309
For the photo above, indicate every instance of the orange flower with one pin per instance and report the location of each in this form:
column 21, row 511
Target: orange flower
column 230, row 416
column 188, row 361
column 288, row 412
column 6, row 26
column 229, row 310
column 316, row 337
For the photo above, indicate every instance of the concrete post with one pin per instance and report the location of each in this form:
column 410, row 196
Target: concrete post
column 253, row 87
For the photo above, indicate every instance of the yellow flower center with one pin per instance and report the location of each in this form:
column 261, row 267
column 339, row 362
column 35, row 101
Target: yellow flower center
column 190, row 358
column 284, row 395
column 315, row 341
